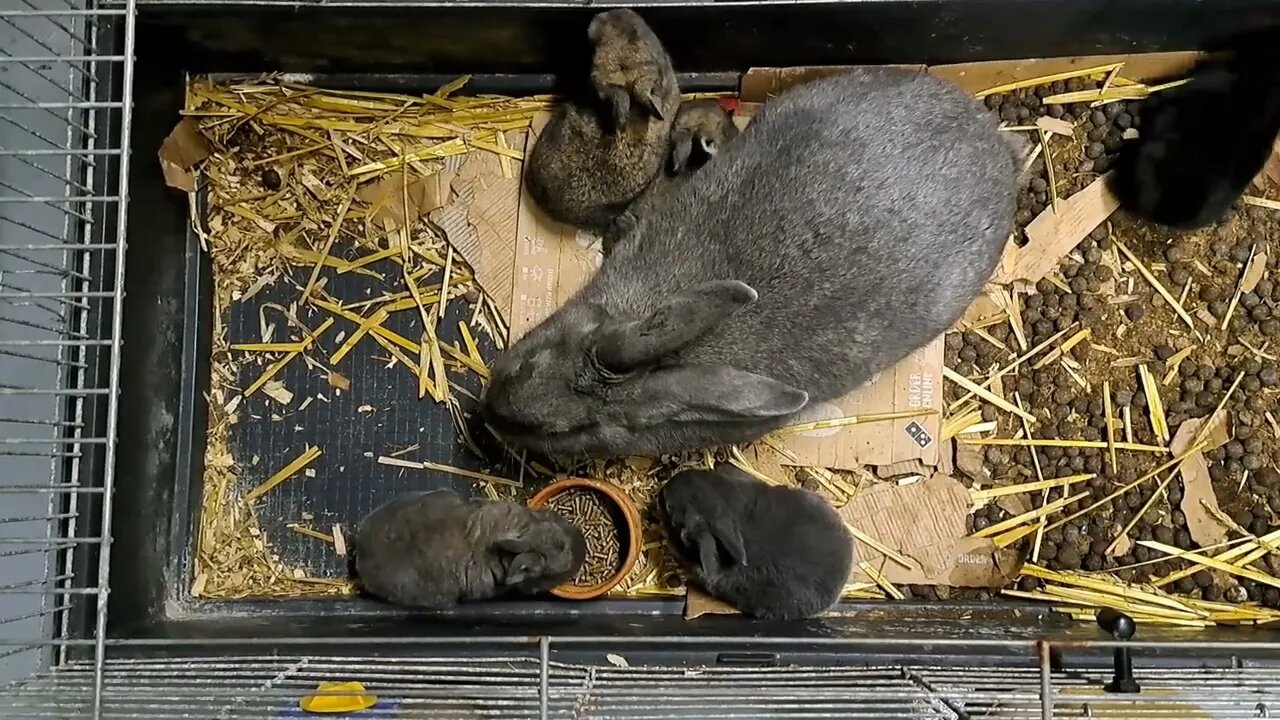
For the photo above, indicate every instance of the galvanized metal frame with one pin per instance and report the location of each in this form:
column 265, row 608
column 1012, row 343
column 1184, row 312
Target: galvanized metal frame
column 519, row 686
column 62, row 264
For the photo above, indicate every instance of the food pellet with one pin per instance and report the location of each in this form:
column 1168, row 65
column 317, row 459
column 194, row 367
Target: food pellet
column 591, row 513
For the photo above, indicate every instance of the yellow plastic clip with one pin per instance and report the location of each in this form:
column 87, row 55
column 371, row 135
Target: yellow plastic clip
column 338, row 697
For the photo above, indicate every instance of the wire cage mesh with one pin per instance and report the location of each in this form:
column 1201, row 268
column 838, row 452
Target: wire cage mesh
column 64, row 76
column 262, row 687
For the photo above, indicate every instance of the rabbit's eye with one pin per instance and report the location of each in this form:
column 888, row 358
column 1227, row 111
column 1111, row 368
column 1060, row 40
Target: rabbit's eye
column 596, row 372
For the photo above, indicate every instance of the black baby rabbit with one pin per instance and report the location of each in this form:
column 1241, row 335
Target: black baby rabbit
column 1203, row 142
column 770, row 551
column 852, row 222
column 597, row 154
column 431, row 550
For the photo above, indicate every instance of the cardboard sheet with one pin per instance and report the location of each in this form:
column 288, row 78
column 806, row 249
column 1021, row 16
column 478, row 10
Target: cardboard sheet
column 181, row 151
column 925, row 521
column 697, row 603
column 492, row 202
column 915, row 383
column 552, row 260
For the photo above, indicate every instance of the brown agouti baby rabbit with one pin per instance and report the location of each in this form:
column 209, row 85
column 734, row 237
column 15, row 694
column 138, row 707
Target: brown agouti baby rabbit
column 630, row 64
column 432, row 550
column 597, row 155
column 701, row 130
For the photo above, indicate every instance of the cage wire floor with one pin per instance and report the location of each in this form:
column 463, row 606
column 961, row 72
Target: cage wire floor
column 371, row 417
column 250, row 687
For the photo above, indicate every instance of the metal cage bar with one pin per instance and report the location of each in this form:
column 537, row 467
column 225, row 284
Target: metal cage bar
column 65, row 102
column 261, row 687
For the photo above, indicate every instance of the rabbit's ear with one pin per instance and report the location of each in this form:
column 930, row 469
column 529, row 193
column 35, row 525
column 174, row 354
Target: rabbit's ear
column 714, row 393
column 524, row 567
column 653, row 103
column 619, row 101
column 681, row 150
column 708, row 554
column 676, row 323
column 595, row 29
column 514, row 546
column 719, row 547
column 730, row 540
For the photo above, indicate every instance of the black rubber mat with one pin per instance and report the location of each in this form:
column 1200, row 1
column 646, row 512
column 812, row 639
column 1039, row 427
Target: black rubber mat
column 379, row 415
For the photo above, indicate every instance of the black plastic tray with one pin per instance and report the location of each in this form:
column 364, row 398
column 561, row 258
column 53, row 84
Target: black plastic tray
column 523, row 49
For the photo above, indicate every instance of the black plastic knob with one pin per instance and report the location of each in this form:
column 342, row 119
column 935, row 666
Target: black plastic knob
column 1116, row 623
column 1122, row 628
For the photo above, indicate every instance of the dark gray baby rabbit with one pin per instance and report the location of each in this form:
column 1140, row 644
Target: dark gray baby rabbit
column 852, row 222
column 431, row 550
column 594, row 157
column 770, row 551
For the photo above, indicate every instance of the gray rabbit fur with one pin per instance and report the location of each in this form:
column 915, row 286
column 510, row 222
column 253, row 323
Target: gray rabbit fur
column 770, row 551
column 598, row 154
column 851, row 223
column 701, row 130
column 432, row 550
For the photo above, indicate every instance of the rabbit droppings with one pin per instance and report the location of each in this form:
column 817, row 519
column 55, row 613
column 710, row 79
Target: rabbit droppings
column 1202, row 143
column 594, row 157
column 701, row 129
column 852, row 222
column 431, row 550
column 771, row 552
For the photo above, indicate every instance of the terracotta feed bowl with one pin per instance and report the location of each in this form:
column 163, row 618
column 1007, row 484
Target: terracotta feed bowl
column 629, row 533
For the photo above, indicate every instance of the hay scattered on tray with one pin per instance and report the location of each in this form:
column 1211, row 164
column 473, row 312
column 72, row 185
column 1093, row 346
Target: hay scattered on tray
column 300, row 177
column 261, row 221
column 1129, row 273
column 320, row 181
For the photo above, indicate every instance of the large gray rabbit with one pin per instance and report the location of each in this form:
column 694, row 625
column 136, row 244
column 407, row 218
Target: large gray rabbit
column 852, row 222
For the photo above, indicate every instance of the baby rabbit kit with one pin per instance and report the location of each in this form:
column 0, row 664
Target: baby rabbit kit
column 999, row 330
